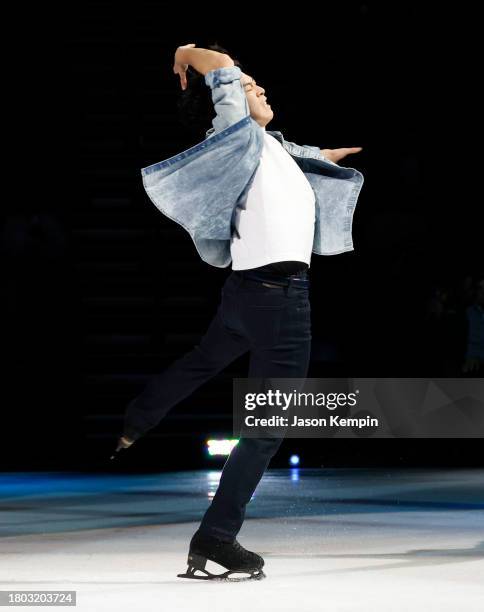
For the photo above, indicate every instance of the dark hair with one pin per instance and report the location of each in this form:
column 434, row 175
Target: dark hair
column 195, row 106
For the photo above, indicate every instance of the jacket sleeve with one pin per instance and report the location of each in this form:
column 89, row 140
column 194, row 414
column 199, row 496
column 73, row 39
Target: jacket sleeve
column 228, row 96
column 314, row 151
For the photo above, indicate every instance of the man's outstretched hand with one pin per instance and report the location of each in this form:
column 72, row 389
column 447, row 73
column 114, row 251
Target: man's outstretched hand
column 335, row 155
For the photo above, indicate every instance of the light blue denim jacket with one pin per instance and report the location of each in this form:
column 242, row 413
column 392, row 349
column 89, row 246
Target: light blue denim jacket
column 201, row 187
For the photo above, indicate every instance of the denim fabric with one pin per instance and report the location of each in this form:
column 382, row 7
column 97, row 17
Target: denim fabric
column 201, row 187
column 274, row 325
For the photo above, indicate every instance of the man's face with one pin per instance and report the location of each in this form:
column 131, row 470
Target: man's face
column 260, row 111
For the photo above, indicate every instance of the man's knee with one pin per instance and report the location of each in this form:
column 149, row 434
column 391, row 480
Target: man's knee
column 209, row 360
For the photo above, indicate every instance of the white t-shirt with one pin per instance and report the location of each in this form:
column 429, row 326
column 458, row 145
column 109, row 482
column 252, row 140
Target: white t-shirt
column 277, row 221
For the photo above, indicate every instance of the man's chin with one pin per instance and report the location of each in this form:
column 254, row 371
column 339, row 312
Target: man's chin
column 269, row 118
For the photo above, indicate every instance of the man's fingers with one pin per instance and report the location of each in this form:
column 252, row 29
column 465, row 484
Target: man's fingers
column 344, row 151
column 181, row 72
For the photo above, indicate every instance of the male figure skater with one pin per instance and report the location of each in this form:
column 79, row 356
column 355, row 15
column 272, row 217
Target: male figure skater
column 247, row 197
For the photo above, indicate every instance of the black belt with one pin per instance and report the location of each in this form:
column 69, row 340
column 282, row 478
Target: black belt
column 300, row 279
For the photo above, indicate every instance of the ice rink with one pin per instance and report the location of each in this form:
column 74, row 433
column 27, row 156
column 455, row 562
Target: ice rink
column 332, row 539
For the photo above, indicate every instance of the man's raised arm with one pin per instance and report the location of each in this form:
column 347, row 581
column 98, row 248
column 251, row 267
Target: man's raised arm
column 202, row 60
column 223, row 78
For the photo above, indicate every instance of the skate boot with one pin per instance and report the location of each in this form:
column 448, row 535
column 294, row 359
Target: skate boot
column 123, row 442
column 232, row 556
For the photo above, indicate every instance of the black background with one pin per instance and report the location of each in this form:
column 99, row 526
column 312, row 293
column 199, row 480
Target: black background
column 101, row 290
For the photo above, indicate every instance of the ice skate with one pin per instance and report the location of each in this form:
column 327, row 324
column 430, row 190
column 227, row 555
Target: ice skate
column 240, row 564
column 123, row 443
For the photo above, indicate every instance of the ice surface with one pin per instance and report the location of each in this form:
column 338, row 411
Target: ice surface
column 333, row 540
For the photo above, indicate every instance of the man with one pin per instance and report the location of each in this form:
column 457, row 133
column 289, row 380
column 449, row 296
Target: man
column 247, row 197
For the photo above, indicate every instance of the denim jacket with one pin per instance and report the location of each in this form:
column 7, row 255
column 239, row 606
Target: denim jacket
column 201, row 187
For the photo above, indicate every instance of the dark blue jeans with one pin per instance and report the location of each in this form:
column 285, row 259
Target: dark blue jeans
column 274, row 324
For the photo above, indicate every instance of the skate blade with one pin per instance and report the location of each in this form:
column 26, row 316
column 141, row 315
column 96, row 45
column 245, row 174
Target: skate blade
column 225, row 577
